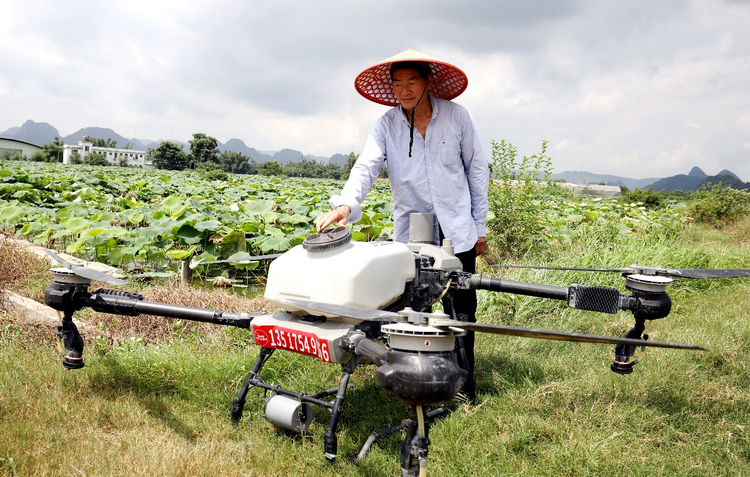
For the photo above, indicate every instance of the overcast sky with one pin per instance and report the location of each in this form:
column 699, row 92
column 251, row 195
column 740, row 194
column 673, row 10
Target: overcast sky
column 636, row 88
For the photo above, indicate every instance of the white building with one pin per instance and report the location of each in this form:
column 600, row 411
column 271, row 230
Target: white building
column 134, row 157
column 14, row 146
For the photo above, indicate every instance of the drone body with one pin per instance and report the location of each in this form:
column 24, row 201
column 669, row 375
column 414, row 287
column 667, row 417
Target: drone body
column 351, row 303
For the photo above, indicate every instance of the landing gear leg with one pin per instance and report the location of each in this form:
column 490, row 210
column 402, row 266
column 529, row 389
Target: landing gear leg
column 239, row 402
column 330, row 441
column 415, row 446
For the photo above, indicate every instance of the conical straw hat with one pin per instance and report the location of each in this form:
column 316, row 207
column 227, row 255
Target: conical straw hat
column 375, row 83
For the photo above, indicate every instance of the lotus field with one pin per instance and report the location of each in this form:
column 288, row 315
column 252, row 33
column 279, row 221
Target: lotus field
column 151, row 219
column 157, row 218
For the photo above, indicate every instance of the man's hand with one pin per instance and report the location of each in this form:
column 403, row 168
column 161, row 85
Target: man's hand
column 339, row 215
column 481, row 246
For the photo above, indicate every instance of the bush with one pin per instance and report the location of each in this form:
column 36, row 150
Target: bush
column 7, row 156
column 96, row 159
column 720, row 206
column 217, row 175
column 647, row 197
column 75, row 158
column 518, row 198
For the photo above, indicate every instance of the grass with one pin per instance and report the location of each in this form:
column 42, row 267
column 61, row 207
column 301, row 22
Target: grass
column 157, row 402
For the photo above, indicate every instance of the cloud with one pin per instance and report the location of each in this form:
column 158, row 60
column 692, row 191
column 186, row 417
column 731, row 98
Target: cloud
column 743, row 122
column 612, row 85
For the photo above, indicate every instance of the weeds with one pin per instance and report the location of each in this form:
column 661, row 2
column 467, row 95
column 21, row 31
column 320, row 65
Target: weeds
column 517, row 201
column 155, row 395
column 720, row 206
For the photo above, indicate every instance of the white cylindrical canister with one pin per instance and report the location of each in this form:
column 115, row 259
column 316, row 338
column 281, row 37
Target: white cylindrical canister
column 288, row 413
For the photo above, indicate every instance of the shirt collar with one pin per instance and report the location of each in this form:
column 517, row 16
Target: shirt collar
column 433, row 103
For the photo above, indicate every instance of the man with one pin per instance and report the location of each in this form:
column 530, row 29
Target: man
column 435, row 162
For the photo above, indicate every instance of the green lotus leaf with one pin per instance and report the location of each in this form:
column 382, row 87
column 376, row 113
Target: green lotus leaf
column 181, row 254
column 188, row 234
column 28, row 196
column 207, row 225
column 250, row 265
column 274, row 232
column 279, row 244
column 26, row 229
column 93, row 232
column 270, row 216
column 106, row 217
column 177, row 214
column 77, row 224
column 76, row 246
column 171, row 204
column 131, row 216
column 258, row 206
column 298, row 207
column 151, row 232
column 12, row 214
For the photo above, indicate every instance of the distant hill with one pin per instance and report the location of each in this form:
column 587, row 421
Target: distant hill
column 678, row 182
column 35, row 133
column 583, row 178
column 41, row 133
column 102, row 133
column 728, row 173
column 726, row 180
column 696, row 179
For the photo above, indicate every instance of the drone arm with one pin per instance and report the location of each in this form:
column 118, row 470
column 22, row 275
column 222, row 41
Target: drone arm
column 358, row 342
column 132, row 304
column 582, row 297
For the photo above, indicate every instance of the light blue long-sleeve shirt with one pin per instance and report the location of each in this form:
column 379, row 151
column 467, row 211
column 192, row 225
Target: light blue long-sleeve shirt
column 446, row 175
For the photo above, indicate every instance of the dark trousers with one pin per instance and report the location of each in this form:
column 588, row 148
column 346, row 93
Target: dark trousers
column 465, row 303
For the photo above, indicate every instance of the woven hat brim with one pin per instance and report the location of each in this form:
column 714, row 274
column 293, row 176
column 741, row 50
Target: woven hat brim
column 374, row 83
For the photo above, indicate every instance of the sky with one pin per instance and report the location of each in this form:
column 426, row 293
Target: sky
column 636, row 88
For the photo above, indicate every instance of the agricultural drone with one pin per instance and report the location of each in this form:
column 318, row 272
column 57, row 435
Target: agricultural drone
column 354, row 303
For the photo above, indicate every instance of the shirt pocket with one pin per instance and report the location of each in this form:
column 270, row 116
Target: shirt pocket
column 450, row 155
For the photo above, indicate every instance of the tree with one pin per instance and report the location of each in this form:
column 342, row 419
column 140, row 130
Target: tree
column 236, row 163
column 168, row 156
column 270, row 168
column 203, row 148
column 349, row 164
column 96, row 159
column 102, row 143
column 51, row 152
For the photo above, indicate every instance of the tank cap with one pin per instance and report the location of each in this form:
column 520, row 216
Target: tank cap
column 327, row 240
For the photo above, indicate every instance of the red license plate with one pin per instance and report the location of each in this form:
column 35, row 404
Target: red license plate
column 278, row 337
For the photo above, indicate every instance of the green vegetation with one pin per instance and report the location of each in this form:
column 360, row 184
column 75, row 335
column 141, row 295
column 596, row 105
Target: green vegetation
column 517, row 202
column 719, row 205
column 51, row 152
column 154, row 219
column 543, row 407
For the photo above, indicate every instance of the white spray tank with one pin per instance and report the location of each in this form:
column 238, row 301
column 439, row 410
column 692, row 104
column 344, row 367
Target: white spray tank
column 330, row 268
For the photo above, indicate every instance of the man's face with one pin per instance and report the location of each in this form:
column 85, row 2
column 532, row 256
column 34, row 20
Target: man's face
column 408, row 87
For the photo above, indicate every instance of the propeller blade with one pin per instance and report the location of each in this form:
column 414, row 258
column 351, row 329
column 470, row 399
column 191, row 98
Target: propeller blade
column 708, row 273
column 86, row 272
column 239, row 259
column 92, row 274
column 577, row 269
column 56, row 257
column 355, row 312
column 643, row 270
column 553, row 335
